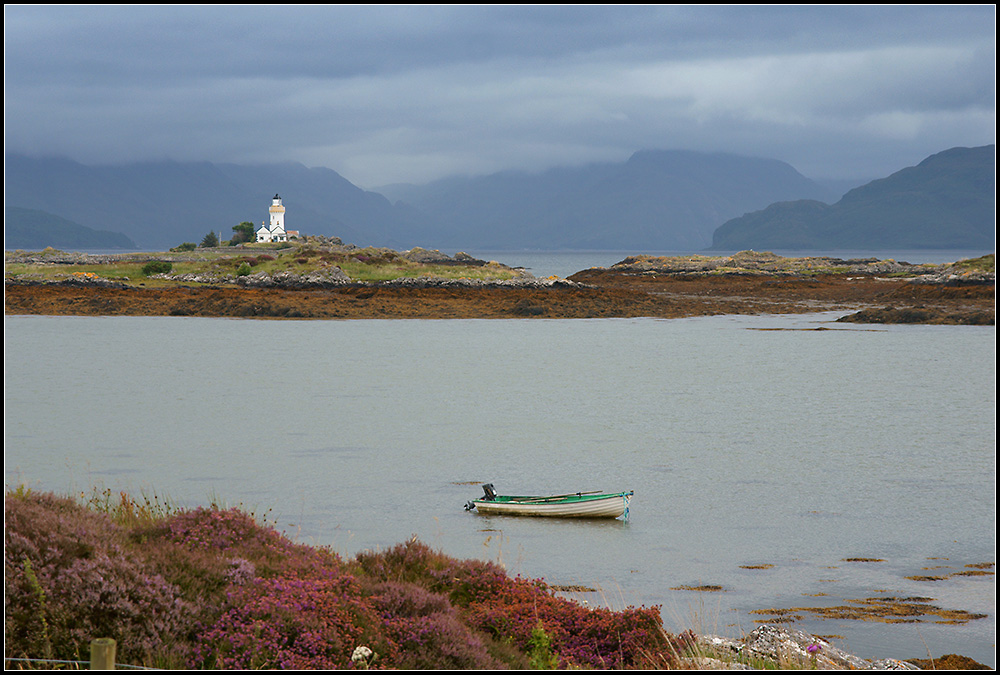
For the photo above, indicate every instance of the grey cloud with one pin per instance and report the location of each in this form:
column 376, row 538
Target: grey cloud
column 387, row 93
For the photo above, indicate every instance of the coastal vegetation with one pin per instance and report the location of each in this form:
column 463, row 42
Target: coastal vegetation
column 218, row 587
column 313, row 255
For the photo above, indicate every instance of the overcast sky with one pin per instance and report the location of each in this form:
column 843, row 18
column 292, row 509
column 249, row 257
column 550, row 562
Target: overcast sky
column 385, row 94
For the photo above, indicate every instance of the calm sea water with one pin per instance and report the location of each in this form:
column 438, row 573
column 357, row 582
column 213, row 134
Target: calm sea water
column 749, row 441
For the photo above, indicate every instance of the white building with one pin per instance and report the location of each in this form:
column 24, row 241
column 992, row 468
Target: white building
column 276, row 230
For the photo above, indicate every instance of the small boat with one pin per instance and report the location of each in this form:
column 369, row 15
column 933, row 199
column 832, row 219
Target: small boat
column 573, row 505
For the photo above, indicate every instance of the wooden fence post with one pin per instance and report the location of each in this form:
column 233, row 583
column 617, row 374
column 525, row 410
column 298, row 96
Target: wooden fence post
column 102, row 654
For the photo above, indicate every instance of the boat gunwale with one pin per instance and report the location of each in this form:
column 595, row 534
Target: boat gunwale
column 538, row 500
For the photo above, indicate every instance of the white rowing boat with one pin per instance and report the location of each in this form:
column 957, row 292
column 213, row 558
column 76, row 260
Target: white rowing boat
column 572, row 505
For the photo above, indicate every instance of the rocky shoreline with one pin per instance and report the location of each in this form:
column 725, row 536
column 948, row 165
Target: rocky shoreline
column 868, row 290
column 770, row 646
column 875, row 291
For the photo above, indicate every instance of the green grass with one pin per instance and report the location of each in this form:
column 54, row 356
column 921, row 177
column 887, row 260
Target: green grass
column 986, row 263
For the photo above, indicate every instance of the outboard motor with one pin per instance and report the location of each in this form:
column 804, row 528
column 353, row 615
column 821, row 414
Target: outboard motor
column 490, row 493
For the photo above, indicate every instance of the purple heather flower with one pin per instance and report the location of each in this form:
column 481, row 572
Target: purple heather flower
column 813, row 648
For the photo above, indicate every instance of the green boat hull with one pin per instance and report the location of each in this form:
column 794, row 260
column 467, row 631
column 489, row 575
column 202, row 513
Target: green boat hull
column 579, row 505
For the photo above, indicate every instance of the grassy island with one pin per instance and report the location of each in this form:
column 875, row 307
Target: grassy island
column 314, row 257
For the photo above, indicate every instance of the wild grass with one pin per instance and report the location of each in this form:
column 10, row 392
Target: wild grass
column 986, row 263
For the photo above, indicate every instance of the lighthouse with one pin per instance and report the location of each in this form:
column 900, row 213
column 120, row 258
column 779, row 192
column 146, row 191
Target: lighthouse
column 277, row 214
column 275, row 231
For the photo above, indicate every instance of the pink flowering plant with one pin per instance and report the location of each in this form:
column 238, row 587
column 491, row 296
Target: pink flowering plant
column 512, row 610
column 214, row 588
column 288, row 622
column 70, row 575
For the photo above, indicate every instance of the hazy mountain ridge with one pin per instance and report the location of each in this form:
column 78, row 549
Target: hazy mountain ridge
column 946, row 201
column 656, row 200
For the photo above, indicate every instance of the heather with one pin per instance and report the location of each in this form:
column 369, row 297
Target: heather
column 212, row 587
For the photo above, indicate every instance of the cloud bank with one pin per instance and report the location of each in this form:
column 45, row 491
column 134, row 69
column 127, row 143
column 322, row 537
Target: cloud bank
column 386, row 94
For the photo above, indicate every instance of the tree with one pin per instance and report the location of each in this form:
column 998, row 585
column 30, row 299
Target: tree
column 211, row 240
column 243, row 233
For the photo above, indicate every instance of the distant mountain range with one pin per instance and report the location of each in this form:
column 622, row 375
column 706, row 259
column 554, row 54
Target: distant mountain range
column 946, row 201
column 35, row 230
column 656, row 200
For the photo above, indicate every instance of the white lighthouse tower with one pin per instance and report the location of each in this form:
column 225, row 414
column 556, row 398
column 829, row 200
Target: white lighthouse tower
column 277, row 214
column 275, row 231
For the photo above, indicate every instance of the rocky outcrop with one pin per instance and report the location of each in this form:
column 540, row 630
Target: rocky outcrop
column 767, row 263
column 334, row 277
column 953, row 274
column 435, row 257
column 751, row 282
column 784, row 648
column 325, row 277
column 922, row 315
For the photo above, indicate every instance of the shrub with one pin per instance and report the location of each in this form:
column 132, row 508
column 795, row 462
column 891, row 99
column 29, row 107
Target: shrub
column 156, row 267
column 243, row 269
column 525, row 612
column 288, row 622
column 426, row 632
column 68, row 579
column 578, row 636
column 412, row 561
column 231, row 533
column 540, row 650
column 211, row 587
